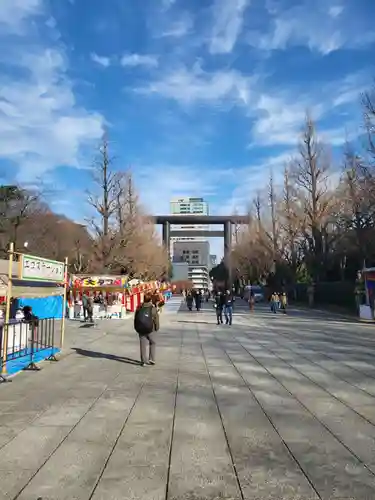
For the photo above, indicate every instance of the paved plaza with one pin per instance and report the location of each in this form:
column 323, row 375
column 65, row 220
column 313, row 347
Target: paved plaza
column 272, row 408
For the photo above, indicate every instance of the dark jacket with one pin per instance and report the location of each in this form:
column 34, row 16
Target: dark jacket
column 228, row 299
column 155, row 315
column 219, row 301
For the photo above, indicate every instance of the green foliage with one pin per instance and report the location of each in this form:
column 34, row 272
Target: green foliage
column 219, row 272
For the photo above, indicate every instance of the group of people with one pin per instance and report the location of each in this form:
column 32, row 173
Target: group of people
column 147, row 322
column 224, row 303
column 194, row 297
column 278, row 301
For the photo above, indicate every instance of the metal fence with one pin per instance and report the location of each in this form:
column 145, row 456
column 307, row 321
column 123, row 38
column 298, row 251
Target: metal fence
column 27, row 344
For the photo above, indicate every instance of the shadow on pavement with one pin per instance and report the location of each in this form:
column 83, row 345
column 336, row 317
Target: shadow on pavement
column 195, row 322
column 95, row 354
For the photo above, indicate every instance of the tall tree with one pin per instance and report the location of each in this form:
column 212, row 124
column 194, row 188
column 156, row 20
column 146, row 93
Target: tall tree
column 17, row 205
column 104, row 201
column 310, row 174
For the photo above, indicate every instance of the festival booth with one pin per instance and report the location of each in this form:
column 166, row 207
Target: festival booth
column 166, row 290
column 113, row 296
column 38, row 283
column 367, row 295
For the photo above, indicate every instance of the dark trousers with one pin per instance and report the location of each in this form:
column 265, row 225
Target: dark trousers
column 219, row 315
column 89, row 314
column 149, row 340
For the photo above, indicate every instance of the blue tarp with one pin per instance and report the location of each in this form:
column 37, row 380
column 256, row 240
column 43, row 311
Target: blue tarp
column 44, row 307
column 23, row 358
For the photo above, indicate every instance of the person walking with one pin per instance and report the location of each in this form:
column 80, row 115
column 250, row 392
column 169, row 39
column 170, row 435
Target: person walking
column 198, row 300
column 228, row 307
column 273, row 302
column 146, row 323
column 219, row 306
column 284, row 302
column 85, row 301
column 251, row 300
column 90, row 310
column 189, row 301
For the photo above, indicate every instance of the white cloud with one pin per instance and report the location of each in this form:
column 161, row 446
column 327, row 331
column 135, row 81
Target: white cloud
column 179, row 28
column 253, row 179
column 134, row 60
column 167, row 4
column 319, row 29
column 101, row 60
column 336, row 10
column 228, row 22
column 15, row 13
column 41, row 126
column 280, row 119
column 189, row 87
column 280, row 116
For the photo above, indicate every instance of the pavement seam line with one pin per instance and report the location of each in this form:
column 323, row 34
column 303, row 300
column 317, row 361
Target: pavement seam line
column 64, row 439
column 305, row 407
column 304, row 473
column 221, row 419
column 314, row 382
column 116, row 441
column 298, row 343
column 174, row 418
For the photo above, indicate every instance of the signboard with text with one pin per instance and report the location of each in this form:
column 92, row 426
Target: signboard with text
column 39, row 269
column 99, row 281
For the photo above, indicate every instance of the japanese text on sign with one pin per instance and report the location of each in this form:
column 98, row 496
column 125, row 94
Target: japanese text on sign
column 36, row 268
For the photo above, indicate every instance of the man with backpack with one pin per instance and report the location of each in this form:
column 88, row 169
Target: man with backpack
column 146, row 322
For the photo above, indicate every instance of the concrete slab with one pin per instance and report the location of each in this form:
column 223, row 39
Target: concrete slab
column 257, row 413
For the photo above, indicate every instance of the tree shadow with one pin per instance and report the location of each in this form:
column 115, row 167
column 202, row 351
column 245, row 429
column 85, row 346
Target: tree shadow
column 196, row 322
column 113, row 357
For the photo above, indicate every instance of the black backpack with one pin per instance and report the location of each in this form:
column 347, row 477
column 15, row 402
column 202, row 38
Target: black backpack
column 143, row 321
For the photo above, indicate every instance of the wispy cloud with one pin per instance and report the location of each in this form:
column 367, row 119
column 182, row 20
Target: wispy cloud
column 180, row 27
column 335, row 10
column 167, row 4
column 227, row 26
column 134, row 60
column 15, row 13
column 323, row 29
column 37, row 141
column 196, row 85
column 101, row 60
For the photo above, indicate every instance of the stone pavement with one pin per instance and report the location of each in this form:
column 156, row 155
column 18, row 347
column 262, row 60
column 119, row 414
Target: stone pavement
column 273, row 407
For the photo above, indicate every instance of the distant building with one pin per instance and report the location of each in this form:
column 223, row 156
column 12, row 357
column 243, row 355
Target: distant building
column 188, row 206
column 197, row 255
column 180, row 271
column 199, row 276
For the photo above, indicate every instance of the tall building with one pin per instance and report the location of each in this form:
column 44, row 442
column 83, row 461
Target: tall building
column 197, row 255
column 189, row 206
column 194, row 250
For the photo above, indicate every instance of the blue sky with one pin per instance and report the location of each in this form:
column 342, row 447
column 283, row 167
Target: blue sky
column 199, row 97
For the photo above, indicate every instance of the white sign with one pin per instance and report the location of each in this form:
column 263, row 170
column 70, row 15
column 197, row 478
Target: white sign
column 38, row 269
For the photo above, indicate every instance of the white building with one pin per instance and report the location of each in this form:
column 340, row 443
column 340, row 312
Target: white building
column 199, row 276
column 188, row 206
column 197, row 255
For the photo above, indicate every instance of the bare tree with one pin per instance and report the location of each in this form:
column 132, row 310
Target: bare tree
column 105, row 203
column 310, row 173
column 368, row 104
column 274, row 233
column 17, row 205
column 291, row 225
